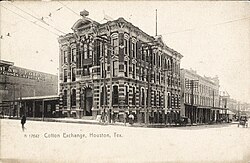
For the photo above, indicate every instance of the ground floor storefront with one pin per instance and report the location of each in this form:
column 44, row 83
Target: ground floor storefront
column 123, row 115
column 205, row 115
column 42, row 106
column 119, row 98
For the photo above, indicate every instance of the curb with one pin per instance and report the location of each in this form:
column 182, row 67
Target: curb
column 113, row 124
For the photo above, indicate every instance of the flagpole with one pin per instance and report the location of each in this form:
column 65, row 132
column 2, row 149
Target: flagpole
column 156, row 22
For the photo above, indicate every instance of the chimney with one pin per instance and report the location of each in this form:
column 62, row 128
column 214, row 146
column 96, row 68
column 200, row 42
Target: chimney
column 84, row 13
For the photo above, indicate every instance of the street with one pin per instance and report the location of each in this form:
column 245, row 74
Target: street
column 68, row 142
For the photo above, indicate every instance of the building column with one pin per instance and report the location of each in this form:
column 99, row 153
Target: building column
column 68, row 101
column 96, row 98
column 83, row 102
column 158, row 116
column 78, row 94
column 163, row 115
column 43, row 111
column 18, row 109
column 25, row 108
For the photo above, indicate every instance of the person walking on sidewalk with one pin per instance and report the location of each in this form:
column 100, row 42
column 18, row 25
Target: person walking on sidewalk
column 125, row 119
column 23, row 121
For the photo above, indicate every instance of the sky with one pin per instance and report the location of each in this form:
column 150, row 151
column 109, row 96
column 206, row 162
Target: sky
column 213, row 37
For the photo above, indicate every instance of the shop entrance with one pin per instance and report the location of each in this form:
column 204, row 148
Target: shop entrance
column 88, row 102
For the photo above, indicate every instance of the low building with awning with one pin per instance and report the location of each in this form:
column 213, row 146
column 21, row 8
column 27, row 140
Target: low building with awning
column 39, row 106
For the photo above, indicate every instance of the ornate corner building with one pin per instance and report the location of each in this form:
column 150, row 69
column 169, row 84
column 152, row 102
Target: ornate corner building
column 115, row 68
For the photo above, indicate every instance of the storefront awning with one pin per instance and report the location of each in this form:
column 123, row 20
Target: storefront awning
column 204, row 107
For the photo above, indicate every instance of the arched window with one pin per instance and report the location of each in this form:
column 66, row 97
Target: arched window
column 169, row 100
column 159, row 97
column 115, row 95
column 155, row 96
column 169, row 65
column 142, row 97
column 65, row 98
column 73, row 97
column 126, row 95
column 73, row 74
column 73, row 55
column 133, row 92
column 65, row 75
column 126, row 68
column 102, row 94
column 165, row 64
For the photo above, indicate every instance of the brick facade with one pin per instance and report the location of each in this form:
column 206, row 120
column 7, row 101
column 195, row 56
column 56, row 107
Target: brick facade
column 138, row 70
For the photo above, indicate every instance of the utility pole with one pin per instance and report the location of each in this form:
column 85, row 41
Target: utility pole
column 14, row 97
column 192, row 84
column 109, row 55
column 213, row 104
column 147, row 104
column 156, row 22
column 104, row 41
column 104, row 83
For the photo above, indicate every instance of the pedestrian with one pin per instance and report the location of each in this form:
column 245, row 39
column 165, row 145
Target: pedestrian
column 125, row 118
column 131, row 119
column 23, row 121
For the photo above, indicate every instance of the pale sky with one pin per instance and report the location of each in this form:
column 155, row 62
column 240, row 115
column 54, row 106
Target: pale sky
column 213, row 37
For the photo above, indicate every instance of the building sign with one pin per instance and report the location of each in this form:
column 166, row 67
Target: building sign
column 22, row 73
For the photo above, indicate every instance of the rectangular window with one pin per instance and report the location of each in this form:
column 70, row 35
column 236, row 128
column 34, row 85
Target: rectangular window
column 86, row 71
column 65, row 75
column 142, row 97
column 73, row 74
column 100, row 48
column 142, row 74
column 88, row 51
column 134, row 69
column 115, row 95
column 65, row 98
column 126, row 68
column 133, row 50
column 85, row 51
column 125, row 46
column 143, row 54
column 155, row 96
column 159, row 98
column 115, row 46
column 147, row 55
column 103, row 71
column 73, row 98
column 126, row 95
column 159, row 61
column 102, row 94
column 159, row 78
column 133, row 99
column 154, row 58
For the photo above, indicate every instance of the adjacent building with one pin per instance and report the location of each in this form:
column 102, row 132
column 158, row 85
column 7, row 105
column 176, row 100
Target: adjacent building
column 200, row 97
column 115, row 68
column 16, row 83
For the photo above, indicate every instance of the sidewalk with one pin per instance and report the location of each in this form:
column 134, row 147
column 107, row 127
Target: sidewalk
column 95, row 122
